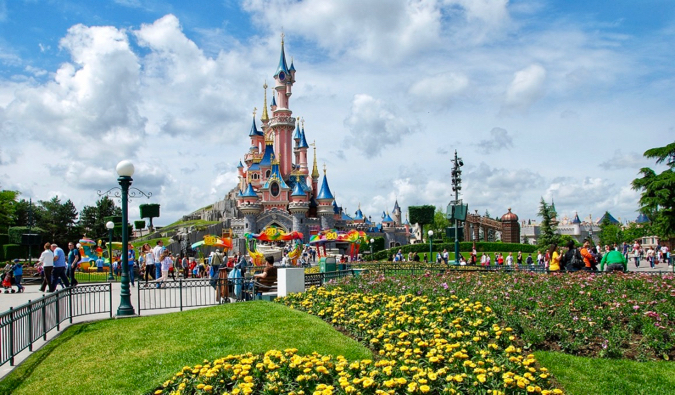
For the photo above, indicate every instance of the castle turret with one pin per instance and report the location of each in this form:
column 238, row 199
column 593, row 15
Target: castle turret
column 282, row 123
column 396, row 214
column 325, row 199
column 298, row 207
column 249, row 205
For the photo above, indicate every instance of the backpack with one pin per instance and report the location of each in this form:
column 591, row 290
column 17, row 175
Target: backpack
column 577, row 261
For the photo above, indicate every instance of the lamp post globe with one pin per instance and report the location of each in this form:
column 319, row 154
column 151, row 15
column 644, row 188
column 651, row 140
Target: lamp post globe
column 371, row 249
column 110, row 226
column 125, row 169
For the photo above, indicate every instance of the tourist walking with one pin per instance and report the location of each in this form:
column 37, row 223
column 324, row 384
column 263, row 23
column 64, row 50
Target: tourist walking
column 46, row 260
column 59, row 271
column 131, row 257
column 650, row 257
column 637, row 253
column 157, row 252
column 17, row 270
column 149, row 262
column 165, row 263
column 589, row 259
column 74, row 259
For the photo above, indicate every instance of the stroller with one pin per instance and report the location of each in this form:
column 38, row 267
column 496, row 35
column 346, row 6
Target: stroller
column 8, row 281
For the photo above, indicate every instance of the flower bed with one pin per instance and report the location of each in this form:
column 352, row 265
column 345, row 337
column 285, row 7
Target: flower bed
column 423, row 344
column 608, row 315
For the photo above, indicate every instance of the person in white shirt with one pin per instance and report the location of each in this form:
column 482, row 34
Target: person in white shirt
column 47, row 262
column 509, row 259
column 157, row 254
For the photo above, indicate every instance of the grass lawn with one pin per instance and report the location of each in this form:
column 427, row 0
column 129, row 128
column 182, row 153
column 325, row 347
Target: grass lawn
column 134, row 355
column 580, row 375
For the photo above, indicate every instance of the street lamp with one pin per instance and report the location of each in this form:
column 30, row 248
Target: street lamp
column 125, row 169
column 431, row 234
column 110, row 225
column 371, row 249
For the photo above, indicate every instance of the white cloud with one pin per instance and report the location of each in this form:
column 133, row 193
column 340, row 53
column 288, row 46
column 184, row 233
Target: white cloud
column 499, row 140
column 438, row 90
column 381, row 31
column 625, row 161
column 526, row 88
column 374, row 125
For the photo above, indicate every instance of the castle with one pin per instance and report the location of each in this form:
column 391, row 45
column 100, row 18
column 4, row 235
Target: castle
column 276, row 186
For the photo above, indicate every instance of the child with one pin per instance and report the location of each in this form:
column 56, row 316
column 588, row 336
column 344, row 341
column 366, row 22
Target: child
column 17, row 270
column 7, row 281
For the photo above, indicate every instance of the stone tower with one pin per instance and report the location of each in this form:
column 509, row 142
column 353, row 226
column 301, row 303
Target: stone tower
column 510, row 228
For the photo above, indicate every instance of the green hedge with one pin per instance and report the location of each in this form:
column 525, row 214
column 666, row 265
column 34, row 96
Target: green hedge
column 14, row 233
column 13, row 251
column 465, row 246
column 4, row 239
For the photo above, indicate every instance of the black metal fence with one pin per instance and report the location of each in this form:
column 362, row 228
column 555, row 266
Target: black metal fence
column 22, row 326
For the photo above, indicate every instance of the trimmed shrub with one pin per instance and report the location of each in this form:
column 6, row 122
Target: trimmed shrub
column 14, row 251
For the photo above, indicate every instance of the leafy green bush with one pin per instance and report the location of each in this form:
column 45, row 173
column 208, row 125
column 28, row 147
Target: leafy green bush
column 14, row 251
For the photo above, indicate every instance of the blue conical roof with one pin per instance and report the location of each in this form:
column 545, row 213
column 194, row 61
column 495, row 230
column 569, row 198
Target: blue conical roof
column 324, row 192
column 282, row 62
column 292, row 68
column 297, row 190
column 297, row 134
column 358, row 214
column 642, row 219
column 576, row 219
column 387, row 218
column 609, row 216
column 254, row 130
column 267, row 156
column 274, row 101
column 396, row 207
column 250, row 192
column 303, row 140
column 240, row 165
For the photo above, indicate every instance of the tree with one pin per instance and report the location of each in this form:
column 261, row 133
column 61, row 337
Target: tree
column 657, row 201
column 7, row 209
column 92, row 217
column 440, row 222
column 423, row 215
column 547, row 228
column 609, row 233
column 59, row 220
column 635, row 232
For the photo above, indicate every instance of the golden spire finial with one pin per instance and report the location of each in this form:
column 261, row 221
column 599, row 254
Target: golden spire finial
column 254, row 111
column 315, row 170
column 282, row 36
column 324, row 168
column 265, row 117
column 303, row 123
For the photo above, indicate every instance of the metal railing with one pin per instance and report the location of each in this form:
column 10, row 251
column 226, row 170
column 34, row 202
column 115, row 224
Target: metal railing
column 22, row 326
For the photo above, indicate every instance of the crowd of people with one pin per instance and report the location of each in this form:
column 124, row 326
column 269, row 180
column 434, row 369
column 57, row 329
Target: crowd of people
column 556, row 258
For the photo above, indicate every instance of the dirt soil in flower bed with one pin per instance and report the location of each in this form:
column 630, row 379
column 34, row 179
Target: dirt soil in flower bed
column 598, row 315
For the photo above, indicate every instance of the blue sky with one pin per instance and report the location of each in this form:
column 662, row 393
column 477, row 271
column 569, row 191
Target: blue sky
column 553, row 99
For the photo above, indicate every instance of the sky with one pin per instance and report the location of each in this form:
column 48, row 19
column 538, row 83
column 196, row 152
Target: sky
column 541, row 99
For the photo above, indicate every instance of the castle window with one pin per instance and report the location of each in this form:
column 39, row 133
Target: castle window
column 274, row 189
column 268, row 173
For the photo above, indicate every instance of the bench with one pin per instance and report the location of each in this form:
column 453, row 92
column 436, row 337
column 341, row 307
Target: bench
column 266, row 287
